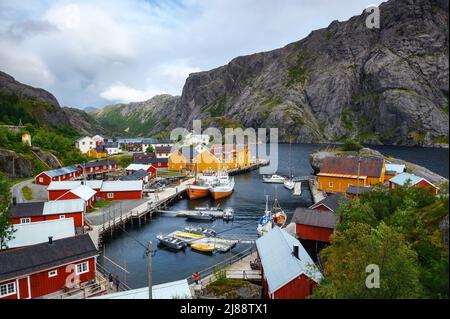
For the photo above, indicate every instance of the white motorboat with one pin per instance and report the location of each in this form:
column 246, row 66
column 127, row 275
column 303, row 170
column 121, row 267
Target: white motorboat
column 289, row 184
column 171, row 242
column 200, row 231
column 222, row 187
column 265, row 222
column 228, row 214
column 274, row 179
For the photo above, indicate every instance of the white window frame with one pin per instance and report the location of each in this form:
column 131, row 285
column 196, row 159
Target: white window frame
column 83, row 271
column 41, row 179
column 25, row 220
column 330, row 184
column 110, row 195
column 62, row 216
column 53, row 273
column 8, row 287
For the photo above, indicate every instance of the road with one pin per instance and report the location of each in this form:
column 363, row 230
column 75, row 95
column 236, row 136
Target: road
column 39, row 192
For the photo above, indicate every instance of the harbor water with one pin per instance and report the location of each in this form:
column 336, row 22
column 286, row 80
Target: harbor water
column 248, row 202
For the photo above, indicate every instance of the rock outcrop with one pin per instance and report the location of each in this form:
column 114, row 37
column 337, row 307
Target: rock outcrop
column 382, row 86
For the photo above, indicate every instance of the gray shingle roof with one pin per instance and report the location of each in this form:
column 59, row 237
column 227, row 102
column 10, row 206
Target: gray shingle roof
column 62, row 171
column 135, row 176
column 358, row 190
column 307, row 216
column 43, row 256
column 26, row 210
column 332, row 201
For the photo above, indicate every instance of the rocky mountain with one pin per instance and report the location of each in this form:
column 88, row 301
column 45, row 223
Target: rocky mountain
column 386, row 85
column 21, row 102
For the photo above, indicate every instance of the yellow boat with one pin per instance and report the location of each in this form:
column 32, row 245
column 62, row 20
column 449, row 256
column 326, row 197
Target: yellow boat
column 205, row 248
column 187, row 235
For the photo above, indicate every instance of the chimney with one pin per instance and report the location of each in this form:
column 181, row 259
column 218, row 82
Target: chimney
column 50, row 240
column 295, row 252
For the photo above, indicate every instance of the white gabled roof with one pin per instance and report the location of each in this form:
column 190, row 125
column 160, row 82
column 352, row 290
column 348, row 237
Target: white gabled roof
column 38, row 232
column 63, row 206
column 275, row 250
column 398, row 168
column 84, row 192
column 402, row 178
column 136, row 167
column 170, row 290
column 122, row 186
column 68, row 185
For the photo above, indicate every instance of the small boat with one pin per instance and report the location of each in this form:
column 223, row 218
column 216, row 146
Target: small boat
column 200, row 231
column 186, row 236
column 279, row 217
column 171, row 242
column 208, row 209
column 265, row 222
column 204, row 248
column 289, row 184
column 201, row 217
column 222, row 187
column 228, row 214
column 274, row 179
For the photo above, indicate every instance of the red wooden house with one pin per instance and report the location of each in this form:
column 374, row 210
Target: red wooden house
column 313, row 225
column 48, row 268
column 61, row 174
column 155, row 162
column 56, row 189
column 80, row 192
column 98, row 167
column 121, row 190
column 42, row 211
column 412, row 180
column 287, row 271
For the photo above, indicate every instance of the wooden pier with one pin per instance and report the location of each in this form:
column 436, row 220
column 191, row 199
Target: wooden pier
column 249, row 168
column 117, row 220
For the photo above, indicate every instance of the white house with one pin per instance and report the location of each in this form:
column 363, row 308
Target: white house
column 99, row 139
column 112, row 148
column 155, row 143
column 84, row 144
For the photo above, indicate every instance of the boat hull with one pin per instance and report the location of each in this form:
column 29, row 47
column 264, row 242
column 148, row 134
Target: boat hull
column 195, row 192
column 204, row 248
column 220, row 194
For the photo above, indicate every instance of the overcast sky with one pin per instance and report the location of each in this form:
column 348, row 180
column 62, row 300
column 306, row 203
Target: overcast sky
column 93, row 53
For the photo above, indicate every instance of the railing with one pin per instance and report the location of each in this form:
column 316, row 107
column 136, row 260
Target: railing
column 86, row 290
column 244, row 274
column 227, row 262
column 105, row 273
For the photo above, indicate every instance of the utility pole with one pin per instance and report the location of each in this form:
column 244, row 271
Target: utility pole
column 149, row 252
column 357, row 180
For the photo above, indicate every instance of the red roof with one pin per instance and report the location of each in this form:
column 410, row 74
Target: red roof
column 369, row 166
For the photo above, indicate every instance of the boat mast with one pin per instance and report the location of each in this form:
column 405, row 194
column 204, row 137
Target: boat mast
column 290, row 159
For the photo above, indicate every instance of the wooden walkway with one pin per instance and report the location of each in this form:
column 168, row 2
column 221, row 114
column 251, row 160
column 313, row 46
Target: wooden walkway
column 249, row 168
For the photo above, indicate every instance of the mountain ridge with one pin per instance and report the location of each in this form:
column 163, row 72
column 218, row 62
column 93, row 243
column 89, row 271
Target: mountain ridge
column 380, row 86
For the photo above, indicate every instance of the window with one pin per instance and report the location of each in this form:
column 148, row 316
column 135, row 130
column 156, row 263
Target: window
column 82, row 268
column 25, row 220
column 41, row 179
column 62, row 216
column 330, row 184
column 83, row 143
column 8, row 289
column 52, row 273
column 110, row 195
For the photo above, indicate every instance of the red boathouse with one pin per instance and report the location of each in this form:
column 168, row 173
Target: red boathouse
column 61, row 174
column 314, row 225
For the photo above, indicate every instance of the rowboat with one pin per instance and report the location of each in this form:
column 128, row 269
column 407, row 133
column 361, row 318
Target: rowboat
column 201, row 217
column 171, row 242
column 205, row 248
column 200, row 231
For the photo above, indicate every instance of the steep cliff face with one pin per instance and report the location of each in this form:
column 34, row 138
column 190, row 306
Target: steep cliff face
column 386, row 85
column 21, row 102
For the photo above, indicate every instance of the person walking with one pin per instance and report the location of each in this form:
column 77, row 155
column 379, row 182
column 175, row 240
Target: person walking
column 111, row 281
column 117, row 281
column 196, row 277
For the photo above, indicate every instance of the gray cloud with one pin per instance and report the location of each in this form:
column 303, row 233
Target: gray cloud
column 94, row 53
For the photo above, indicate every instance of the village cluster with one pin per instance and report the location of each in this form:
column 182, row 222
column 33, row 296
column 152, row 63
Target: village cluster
column 52, row 235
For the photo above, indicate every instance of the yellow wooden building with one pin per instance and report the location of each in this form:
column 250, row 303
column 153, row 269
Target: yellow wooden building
column 177, row 162
column 337, row 174
column 97, row 153
column 232, row 156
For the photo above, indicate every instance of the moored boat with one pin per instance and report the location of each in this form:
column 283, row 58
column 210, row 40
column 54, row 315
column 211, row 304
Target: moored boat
column 222, row 187
column 274, row 179
column 200, row 187
column 201, row 217
column 289, row 184
column 265, row 222
column 171, row 242
column 204, row 248
column 228, row 214
column 200, row 231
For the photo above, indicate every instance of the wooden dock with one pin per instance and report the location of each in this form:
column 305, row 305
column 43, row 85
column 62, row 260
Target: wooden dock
column 249, row 168
column 139, row 215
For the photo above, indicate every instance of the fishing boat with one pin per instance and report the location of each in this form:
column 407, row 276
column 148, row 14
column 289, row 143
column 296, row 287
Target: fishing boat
column 200, row 187
column 171, row 242
column 200, row 231
column 274, row 179
column 222, row 187
column 228, row 214
column 279, row 217
column 201, row 216
column 204, row 248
